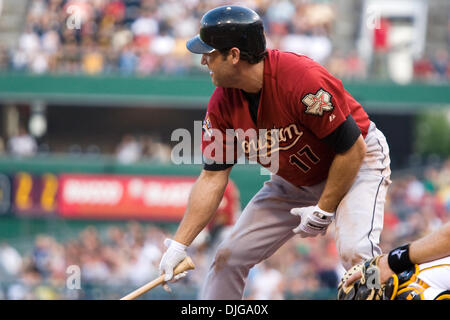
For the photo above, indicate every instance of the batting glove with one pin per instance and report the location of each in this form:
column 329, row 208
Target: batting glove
column 175, row 253
column 313, row 221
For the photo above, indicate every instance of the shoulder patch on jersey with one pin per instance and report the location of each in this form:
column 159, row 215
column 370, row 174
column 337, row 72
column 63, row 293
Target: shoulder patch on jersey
column 318, row 103
column 207, row 125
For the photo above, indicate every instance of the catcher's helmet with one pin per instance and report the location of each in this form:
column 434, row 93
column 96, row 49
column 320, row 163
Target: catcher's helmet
column 229, row 26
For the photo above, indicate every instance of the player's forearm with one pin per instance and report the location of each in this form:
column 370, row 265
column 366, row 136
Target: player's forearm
column 204, row 200
column 431, row 247
column 341, row 175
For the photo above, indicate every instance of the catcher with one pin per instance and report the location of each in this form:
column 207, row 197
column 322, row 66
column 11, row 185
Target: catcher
column 416, row 271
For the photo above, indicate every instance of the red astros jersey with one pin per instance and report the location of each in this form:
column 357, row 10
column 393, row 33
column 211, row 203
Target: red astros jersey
column 300, row 104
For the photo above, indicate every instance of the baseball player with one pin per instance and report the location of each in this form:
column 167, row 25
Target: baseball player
column 331, row 162
column 423, row 267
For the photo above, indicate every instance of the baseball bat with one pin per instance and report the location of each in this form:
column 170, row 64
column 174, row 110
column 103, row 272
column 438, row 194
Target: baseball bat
column 186, row 264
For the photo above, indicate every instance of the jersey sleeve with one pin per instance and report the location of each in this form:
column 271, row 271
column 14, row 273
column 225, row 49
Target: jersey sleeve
column 218, row 142
column 320, row 101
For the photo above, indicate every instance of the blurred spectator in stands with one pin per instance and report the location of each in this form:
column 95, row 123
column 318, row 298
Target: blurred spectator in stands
column 355, row 67
column 24, row 288
column 146, row 25
column 415, row 190
column 39, row 63
column 92, row 59
column 348, row 67
column 148, row 63
column 115, row 10
column 162, row 44
column 336, row 65
column 120, row 38
column 148, row 145
column 93, row 268
column 4, row 59
column 391, row 220
column 443, row 181
column 18, row 60
column 381, row 47
column 278, row 15
column 267, row 282
column 129, row 150
column 296, row 263
column 145, row 263
column 69, row 58
column 10, row 260
column 304, row 29
column 2, row 146
column 51, row 45
column 443, row 178
column 326, row 265
column 42, row 255
column 154, row 150
column 430, row 180
column 22, row 144
column 28, row 49
column 128, row 60
column 441, row 64
column 161, row 153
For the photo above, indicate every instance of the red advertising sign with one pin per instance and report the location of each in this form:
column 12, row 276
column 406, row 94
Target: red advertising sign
column 123, row 196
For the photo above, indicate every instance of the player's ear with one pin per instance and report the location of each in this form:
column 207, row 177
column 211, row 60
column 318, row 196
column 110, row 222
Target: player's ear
column 235, row 55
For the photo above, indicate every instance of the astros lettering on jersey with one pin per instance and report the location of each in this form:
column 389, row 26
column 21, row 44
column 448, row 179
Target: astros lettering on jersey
column 300, row 104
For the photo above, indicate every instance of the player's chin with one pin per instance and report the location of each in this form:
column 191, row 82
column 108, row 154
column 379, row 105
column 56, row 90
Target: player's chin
column 218, row 83
column 214, row 79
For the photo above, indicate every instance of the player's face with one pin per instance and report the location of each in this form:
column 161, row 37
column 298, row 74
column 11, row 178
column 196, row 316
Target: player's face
column 221, row 70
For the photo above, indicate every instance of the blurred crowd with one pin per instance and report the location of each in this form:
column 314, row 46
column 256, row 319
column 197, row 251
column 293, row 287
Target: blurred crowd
column 117, row 259
column 145, row 37
column 432, row 68
column 148, row 36
column 130, row 149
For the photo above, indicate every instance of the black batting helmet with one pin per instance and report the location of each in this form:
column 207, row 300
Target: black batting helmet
column 226, row 27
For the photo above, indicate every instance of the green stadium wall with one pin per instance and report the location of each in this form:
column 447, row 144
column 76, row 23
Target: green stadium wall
column 194, row 91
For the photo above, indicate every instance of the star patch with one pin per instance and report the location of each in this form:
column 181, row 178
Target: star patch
column 317, row 104
column 207, row 125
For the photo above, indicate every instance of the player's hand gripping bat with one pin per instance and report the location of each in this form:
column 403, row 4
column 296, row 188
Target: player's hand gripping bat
column 184, row 265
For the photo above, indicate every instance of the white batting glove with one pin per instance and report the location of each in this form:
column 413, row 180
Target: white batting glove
column 313, row 221
column 175, row 253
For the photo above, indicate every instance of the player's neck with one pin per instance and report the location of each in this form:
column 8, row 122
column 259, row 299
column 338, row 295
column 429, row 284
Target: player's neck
column 252, row 77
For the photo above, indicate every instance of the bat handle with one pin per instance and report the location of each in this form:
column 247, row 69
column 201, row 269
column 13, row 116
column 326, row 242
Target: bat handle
column 186, row 264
